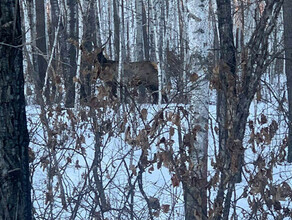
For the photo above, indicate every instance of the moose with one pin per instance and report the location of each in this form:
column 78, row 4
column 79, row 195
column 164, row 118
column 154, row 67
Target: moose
column 136, row 74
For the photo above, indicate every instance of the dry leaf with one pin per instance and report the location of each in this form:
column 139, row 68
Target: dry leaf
column 154, row 203
column 194, row 77
column 264, row 119
column 171, row 131
column 165, row 208
column 133, row 169
column 176, row 119
column 77, row 166
column 174, row 180
column 69, row 160
column 151, row 169
column 144, row 114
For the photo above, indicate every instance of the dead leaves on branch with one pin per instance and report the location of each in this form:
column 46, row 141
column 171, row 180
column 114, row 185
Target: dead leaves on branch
column 266, row 133
column 175, row 180
column 178, row 163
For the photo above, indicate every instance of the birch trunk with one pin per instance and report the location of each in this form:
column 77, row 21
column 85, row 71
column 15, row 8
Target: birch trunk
column 158, row 42
column 78, row 69
column 26, row 8
column 198, row 38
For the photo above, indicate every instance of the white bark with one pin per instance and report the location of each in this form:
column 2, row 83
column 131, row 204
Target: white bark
column 199, row 42
column 132, row 35
column 27, row 36
column 158, row 42
column 122, row 54
column 50, row 59
column 80, row 37
column 27, row 31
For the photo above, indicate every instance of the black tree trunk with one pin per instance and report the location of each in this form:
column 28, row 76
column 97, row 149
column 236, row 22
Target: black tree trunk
column 71, row 56
column 15, row 202
column 287, row 13
column 41, row 41
column 236, row 90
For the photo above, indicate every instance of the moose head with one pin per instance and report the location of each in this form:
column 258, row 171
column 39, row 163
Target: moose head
column 102, row 59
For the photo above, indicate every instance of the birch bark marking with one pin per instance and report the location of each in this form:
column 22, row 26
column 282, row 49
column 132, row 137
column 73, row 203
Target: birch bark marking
column 159, row 44
column 195, row 193
column 79, row 56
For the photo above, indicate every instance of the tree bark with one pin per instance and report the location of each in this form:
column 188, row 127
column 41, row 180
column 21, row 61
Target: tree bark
column 139, row 31
column 139, row 49
column 145, row 26
column 89, row 41
column 41, row 41
column 227, row 55
column 235, row 94
column 80, row 23
column 194, row 185
column 116, row 30
column 287, row 14
column 15, row 201
column 72, row 33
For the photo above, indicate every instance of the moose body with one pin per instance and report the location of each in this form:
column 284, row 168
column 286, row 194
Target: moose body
column 135, row 74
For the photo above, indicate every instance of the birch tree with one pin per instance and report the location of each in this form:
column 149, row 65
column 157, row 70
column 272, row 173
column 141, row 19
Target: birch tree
column 198, row 38
column 79, row 54
column 158, row 6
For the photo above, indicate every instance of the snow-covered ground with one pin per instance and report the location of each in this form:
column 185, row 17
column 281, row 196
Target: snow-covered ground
column 65, row 159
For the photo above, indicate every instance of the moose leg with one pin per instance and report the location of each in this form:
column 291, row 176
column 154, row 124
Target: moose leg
column 155, row 94
column 155, row 97
column 164, row 97
column 142, row 94
column 153, row 89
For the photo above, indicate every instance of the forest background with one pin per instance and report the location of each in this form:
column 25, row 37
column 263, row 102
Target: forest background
column 199, row 132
